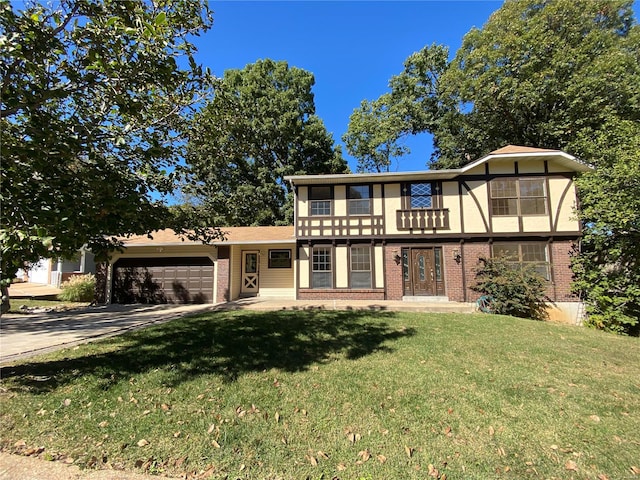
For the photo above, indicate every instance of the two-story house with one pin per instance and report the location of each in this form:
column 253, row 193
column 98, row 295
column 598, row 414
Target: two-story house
column 377, row 236
column 419, row 234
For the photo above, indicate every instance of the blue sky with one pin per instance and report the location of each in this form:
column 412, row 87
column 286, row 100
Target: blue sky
column 351, row 47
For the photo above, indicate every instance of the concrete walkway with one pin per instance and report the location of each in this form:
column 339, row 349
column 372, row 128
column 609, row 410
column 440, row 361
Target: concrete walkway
column 32, row 290
column 26, row 335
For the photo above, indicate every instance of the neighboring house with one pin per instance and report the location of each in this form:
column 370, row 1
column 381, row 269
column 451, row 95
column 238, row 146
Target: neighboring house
column 55, row 271
column 410, row 236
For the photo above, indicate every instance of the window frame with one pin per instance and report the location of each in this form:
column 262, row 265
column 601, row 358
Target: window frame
column 537, row 264
column 325, row 272
column 353, row 270
column 359, row 201
column 320, row 205
column 273, row 261
column 517, row 198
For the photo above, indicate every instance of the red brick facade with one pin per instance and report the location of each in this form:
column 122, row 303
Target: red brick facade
column 222, row 280
column 460, row 275
column 341, row 294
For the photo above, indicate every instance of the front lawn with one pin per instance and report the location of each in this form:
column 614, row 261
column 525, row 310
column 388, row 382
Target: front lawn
column 346, row 395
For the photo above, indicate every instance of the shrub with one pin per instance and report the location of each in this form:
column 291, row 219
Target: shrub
column 80, row 288
column 513, row 288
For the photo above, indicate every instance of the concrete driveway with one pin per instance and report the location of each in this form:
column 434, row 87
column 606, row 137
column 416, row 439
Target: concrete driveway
column 23, row 335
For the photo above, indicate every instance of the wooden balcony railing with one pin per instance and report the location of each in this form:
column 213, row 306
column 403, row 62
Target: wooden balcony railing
column 423, row 219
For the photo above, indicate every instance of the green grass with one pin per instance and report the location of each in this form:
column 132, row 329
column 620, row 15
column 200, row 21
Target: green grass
column 16, row 303
column 350, row 395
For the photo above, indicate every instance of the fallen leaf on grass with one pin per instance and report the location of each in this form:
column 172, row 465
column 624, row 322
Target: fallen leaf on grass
column 211, row 428
column 20, row 443
column 165, row 407
column 341, row 467
column 321, row 454
column 365, row 455
column 594, row 418
column 635, row 470
column 143, row 443
column 69, row 460
column 571, row 465
column 312, row 460
column 277, row 417
column 103, row 424
column 409, row 451
column 381, row 458
column 602, row 476
column 433, row 471
column 447, row 431
column 67, row 402
column 215, row 444
column 491, row 431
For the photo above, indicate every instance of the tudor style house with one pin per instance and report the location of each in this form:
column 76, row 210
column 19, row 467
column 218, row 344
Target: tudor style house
column 410, row 236
column 419, row 235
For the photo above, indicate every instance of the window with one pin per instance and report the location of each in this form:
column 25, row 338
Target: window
column 320, row 197
column 518, row 196
column 279, row 258
column 361, row 267
column 526, row 253
column 359, row 199
column 419, row 194
column 321, row 276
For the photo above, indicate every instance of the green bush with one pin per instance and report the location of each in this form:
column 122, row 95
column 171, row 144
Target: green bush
column 512, row 288
column 80, row 288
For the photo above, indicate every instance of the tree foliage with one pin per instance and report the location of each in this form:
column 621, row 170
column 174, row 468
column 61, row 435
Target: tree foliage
column 259, row 127
column 538, row 73
column 373, row 135
column 93, row 98
column 512, row 288
column 607, row 269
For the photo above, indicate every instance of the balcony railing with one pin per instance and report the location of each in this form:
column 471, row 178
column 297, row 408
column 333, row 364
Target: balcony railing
column 423, row 219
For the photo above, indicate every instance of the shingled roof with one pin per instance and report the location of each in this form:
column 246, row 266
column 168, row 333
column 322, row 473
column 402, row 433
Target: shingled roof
column 232, row 235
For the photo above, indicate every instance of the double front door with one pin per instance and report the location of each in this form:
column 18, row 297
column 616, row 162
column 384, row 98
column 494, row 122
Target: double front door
column 422, row 271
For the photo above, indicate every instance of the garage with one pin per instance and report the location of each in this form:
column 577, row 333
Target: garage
column 163, row 280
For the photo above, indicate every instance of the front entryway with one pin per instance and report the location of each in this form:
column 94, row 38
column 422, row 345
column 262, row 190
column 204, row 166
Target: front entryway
column 250, row 272
column 422, row 271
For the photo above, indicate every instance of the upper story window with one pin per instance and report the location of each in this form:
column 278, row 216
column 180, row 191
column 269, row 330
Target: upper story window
column 359, row 199
column 420, row 194
column 535, row 254
column 321, row 197
column 518, row 196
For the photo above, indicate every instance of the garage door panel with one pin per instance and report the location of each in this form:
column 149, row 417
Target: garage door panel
column 163, row 280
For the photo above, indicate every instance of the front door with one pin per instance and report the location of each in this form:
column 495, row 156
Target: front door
column 423, row 272
column 250, row 273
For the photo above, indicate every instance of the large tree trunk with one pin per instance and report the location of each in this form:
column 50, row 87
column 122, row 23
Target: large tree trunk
column 5, row 300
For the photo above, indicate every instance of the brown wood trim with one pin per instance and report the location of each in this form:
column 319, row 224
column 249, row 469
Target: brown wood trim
column 475, row 199
column 548, row 198
column 404, row 238
column 460, row 198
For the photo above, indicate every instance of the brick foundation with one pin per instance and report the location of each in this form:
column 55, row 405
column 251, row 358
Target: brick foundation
column 560, row 289
column 339, row 294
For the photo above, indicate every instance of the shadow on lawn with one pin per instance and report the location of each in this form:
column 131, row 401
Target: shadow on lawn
column 224, row 344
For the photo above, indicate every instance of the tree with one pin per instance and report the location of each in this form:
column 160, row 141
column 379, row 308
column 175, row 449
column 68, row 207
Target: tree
column 607, row 269
column 538, row 73
column 373, row 135
column 93, row 104
column 376, row 129
column 259, row 127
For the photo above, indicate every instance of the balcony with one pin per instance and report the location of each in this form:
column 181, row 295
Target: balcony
column 423, row 219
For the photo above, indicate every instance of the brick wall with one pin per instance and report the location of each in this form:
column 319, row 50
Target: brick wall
column 560, row 289
column 101, row 282
column 339, row 294
column 393, row 272
column 222, row 264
